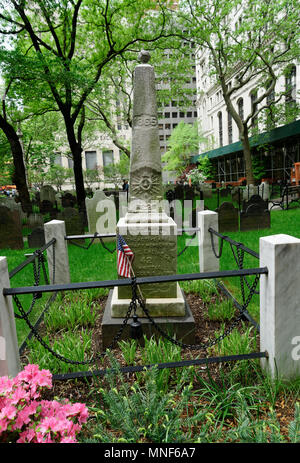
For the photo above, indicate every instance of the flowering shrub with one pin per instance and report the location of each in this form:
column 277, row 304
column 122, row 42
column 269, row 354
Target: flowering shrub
column 196, row 176
column 26, row 418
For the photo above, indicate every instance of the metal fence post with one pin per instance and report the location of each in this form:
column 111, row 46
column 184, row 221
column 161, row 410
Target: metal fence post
column 56, row 229
column 280, row 305
column 207, row 259
column 9, row 351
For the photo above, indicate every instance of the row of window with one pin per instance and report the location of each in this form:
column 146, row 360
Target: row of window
column 290, row 97
column 175, row 114
column 90, row 159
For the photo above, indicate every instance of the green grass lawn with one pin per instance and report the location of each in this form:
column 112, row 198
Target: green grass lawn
column 97, row 263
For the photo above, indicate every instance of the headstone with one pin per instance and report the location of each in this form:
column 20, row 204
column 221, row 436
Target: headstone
column 255, row 214
column 37, row 238
column 10, row 229
column 228, row 217
column 47, row 193
column 74, row 222
column 47, row 207
column 249, row 191
column 264, row 191
column 35, row 220
column 68, row 200
column 235, row 193
column 101, row 213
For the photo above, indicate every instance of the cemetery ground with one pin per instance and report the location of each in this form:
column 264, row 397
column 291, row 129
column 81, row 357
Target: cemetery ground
column 227, row 402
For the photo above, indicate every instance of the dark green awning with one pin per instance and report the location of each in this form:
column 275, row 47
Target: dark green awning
column 275, row 135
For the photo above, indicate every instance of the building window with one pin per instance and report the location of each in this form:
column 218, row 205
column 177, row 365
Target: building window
column 270, row 111
column 290, row 92
column 167, row 115
column 229, row 119
column 220, row 128
column 167, row 126
column 174, row 114
column 240, row 105
column 253, row 97
column 57, row 160
column 108, row 157
column 70, row 163
column 91, row 160
column 181, row 114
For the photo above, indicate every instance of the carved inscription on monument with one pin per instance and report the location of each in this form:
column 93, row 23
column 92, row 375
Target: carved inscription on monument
column 145, row 121
column 149, row 251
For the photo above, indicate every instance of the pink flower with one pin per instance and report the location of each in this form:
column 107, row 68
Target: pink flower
column 36, row 421
column 8, row 412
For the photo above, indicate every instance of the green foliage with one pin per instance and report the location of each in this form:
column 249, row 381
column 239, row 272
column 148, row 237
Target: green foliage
column 258, row 167
column 115, row 173
column 183, row 143
column 142, row 413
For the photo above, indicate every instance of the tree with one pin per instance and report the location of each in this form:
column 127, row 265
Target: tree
column 254, row 50
column 183, row 143
column 115, row 173
column 71, row 43
column 57, row 175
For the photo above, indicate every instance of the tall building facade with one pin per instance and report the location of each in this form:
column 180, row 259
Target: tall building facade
column 276, row 145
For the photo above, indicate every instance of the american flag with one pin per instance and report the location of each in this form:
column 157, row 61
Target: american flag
column 125, row 257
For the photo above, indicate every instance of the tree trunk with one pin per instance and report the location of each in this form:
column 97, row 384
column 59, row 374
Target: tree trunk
column 247, row 157
column 19, row 175
column 76, row 151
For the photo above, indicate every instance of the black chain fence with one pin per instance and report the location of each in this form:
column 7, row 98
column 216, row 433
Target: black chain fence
column 136, row 327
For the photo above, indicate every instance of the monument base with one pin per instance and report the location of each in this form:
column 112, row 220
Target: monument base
column 182, row 328
column 157, row 307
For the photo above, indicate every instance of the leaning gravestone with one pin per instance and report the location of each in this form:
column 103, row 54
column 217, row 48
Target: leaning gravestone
column 10, row 229
column 37, row 238
column 255, row 214
column 228, row 217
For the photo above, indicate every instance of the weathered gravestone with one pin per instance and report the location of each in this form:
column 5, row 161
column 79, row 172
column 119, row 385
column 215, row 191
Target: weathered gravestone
column 74, row 222
column 37, row 238
column 255, row 214
column 228, row 217
column 10, row 229
column 47, row 193
column 68, row 200
column 35, row 220
column 47, row 207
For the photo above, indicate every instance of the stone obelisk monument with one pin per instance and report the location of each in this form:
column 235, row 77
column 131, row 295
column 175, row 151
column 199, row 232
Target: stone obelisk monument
column 146, row 228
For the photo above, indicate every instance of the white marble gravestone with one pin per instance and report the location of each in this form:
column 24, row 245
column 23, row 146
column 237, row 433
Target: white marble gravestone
column 101, row 213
